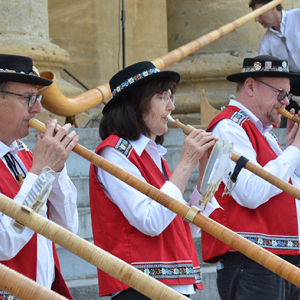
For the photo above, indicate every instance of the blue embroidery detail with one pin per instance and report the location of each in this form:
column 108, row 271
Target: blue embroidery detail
column 163, row 271
column 239, row 117
column 273, row 242
column 123, row 146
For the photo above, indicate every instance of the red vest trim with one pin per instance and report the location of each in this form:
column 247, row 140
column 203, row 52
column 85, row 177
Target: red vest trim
column 273, row 225
column 170, row 257
column 25, row 262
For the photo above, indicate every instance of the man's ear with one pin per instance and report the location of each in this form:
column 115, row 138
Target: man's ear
column 249, row 86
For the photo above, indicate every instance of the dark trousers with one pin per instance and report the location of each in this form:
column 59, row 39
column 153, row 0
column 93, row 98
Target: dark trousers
column 241, row 278
column 132, row 294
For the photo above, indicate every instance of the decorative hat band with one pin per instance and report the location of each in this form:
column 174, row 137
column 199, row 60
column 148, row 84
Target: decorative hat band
column 134, row 79
column 34, row 72
column 257, row 66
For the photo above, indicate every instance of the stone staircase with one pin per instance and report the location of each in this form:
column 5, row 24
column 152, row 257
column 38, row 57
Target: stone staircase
column 80, row 275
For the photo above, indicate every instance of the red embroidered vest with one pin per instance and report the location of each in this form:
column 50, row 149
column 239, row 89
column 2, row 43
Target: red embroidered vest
column 170, row 257
column 273, row 225
column 25, row 262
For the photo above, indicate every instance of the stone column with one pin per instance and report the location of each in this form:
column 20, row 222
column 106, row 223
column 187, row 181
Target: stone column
column 25, row 31
column 208, row 67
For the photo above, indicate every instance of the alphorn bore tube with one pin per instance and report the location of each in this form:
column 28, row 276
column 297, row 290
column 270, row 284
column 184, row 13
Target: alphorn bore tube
column 87, row 251
column 253, row 251
column 56, row 102
column 24, row 288
column 257, row 170
column 284, row 112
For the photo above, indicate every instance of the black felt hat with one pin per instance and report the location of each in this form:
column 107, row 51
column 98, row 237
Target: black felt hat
column 18, row 68
column 134, row 75
column 263, row 66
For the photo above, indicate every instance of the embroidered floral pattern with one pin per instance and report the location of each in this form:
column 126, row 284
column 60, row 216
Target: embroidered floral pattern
column 290, row 243
column 5, row 296
column 133, row 80
column 161, row 271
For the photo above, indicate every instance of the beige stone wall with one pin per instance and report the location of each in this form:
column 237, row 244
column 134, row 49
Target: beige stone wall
column 85, row 37
column 208, row 67
column 91, row 32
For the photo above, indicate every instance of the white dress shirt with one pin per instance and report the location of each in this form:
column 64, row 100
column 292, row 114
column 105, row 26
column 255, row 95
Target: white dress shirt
column 62, row 209
column 252, row 191
column 145, row 214
column 272, row 44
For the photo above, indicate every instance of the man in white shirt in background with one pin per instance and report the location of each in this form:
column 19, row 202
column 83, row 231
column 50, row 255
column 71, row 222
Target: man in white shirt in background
column 22, row 174
column 256, row 209
column 282, row 39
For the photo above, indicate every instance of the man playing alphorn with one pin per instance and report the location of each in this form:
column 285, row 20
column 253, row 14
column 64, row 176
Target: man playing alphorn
column 24, row 174
column 257, row 210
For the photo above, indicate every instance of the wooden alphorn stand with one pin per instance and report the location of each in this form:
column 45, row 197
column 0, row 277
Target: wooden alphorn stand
column 256, row 253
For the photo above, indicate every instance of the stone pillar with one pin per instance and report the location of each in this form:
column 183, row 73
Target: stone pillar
column 25, row 31
column 208, row 67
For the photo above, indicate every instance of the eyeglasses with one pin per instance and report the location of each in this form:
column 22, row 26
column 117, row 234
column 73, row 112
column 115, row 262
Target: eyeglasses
column 31, row 99
column 166, row 97
column 281, row 95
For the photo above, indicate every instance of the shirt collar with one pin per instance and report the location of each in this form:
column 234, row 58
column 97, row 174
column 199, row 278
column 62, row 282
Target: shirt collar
column 13, row 148
column 253, row 118
column 143, row 142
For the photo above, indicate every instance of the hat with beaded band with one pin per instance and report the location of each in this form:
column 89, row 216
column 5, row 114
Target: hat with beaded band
column 134, row 75
column 263, row 66
column 18, row 68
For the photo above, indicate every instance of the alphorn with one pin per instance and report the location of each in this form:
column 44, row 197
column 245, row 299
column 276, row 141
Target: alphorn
column 257, row 170
column 253, row 251
column 87, row 251
column 284, row 112
column 56, row 102
column 24, row 288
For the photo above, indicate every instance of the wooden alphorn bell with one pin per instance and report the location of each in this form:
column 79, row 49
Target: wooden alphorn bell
column 56, row 102
column 257, row 170
column 253, row 251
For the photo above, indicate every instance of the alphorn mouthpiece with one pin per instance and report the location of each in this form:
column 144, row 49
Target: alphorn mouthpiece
column 284, row 112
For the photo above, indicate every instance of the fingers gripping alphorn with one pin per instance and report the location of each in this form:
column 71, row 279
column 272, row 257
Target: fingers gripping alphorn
column 278, row 182
column 253, row 251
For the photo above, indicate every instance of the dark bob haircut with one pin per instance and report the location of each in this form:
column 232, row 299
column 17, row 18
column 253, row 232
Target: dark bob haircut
column 126, row 117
